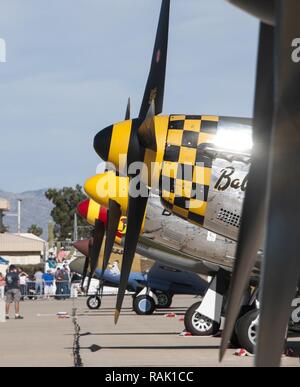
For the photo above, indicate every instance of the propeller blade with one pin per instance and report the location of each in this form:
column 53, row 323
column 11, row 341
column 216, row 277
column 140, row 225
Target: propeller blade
column 85, row 270
column 98, row 236
column 127, row 114
column 135, row 217
column 146, row 131
column 156, row 81
column 87, row 263
column 281, row 268
column 253, row 216
column 114, row 216
column 82, row 246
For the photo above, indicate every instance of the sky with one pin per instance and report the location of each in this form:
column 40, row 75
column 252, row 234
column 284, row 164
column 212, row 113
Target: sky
column 72, row 64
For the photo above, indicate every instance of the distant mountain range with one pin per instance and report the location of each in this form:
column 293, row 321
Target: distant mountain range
column 35, row 209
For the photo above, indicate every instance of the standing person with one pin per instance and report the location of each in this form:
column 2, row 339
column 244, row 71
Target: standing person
column 59, row 282
column 66, row 282
column 75, row 284
column 13, row 293
column 23, row 284
column 51, row 261
column 38, row 277
column 2, row 286
column 48, row 279
column 62, row 254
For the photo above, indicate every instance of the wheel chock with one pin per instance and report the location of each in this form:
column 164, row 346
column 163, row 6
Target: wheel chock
column 241, row 352
column 62, row 315
column 170, row 315
column 185, row 334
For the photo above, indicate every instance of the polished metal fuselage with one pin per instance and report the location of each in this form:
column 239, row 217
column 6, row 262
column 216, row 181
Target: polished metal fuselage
column 214, row 242
column 183, row 245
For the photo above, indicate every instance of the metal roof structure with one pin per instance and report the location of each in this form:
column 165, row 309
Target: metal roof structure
column 12, row 243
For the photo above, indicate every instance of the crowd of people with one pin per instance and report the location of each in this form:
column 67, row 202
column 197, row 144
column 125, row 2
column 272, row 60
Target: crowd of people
column 59, row 283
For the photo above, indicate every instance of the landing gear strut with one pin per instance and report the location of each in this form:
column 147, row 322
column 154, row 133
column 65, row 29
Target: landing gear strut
column 94, row 302
column 204, row 318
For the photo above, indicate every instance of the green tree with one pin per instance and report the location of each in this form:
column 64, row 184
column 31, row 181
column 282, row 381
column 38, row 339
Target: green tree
column 35, row 230
column 65, row 203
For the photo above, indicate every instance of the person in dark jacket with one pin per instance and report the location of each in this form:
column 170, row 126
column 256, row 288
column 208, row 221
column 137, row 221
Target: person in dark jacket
column 13, row 293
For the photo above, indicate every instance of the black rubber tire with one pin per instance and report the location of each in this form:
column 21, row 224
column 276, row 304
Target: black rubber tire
column 245, row 331
column 93, row 302
column 234, row 341
column 144, row 305
column 164, row 300
column 207, row 327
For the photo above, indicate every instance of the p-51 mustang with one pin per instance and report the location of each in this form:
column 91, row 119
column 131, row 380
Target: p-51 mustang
column 200, row 169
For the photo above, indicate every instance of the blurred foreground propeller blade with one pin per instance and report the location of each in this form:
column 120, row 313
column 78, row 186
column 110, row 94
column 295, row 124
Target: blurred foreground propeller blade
column 128, row 114
column 135, row 217
column 281, row 268
column 114, row 216
column 98, row 236
column 156, row 81
column 253, row 216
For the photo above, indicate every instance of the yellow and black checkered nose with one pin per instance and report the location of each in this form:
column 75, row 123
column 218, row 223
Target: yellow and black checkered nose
column 102, row 142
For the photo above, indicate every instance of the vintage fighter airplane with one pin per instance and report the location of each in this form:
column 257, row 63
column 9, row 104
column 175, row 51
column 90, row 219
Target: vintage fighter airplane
column 202, row 166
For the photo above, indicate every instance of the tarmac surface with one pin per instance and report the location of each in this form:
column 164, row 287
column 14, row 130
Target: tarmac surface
column 90, row 338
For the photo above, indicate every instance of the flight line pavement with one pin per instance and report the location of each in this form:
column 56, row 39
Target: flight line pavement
column 90, row 338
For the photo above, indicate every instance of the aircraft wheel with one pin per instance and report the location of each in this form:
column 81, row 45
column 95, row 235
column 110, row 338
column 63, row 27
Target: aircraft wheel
column 144, row 305
column 197, row 324
column 246, row 330
column 93, row 302
column 234, row 341
column 164, row 300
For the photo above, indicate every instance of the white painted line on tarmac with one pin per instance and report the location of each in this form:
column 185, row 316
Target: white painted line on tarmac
column 59, row 314
column 2, row 311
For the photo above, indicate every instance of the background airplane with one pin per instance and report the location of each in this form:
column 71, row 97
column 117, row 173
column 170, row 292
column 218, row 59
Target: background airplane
column 154, row 285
